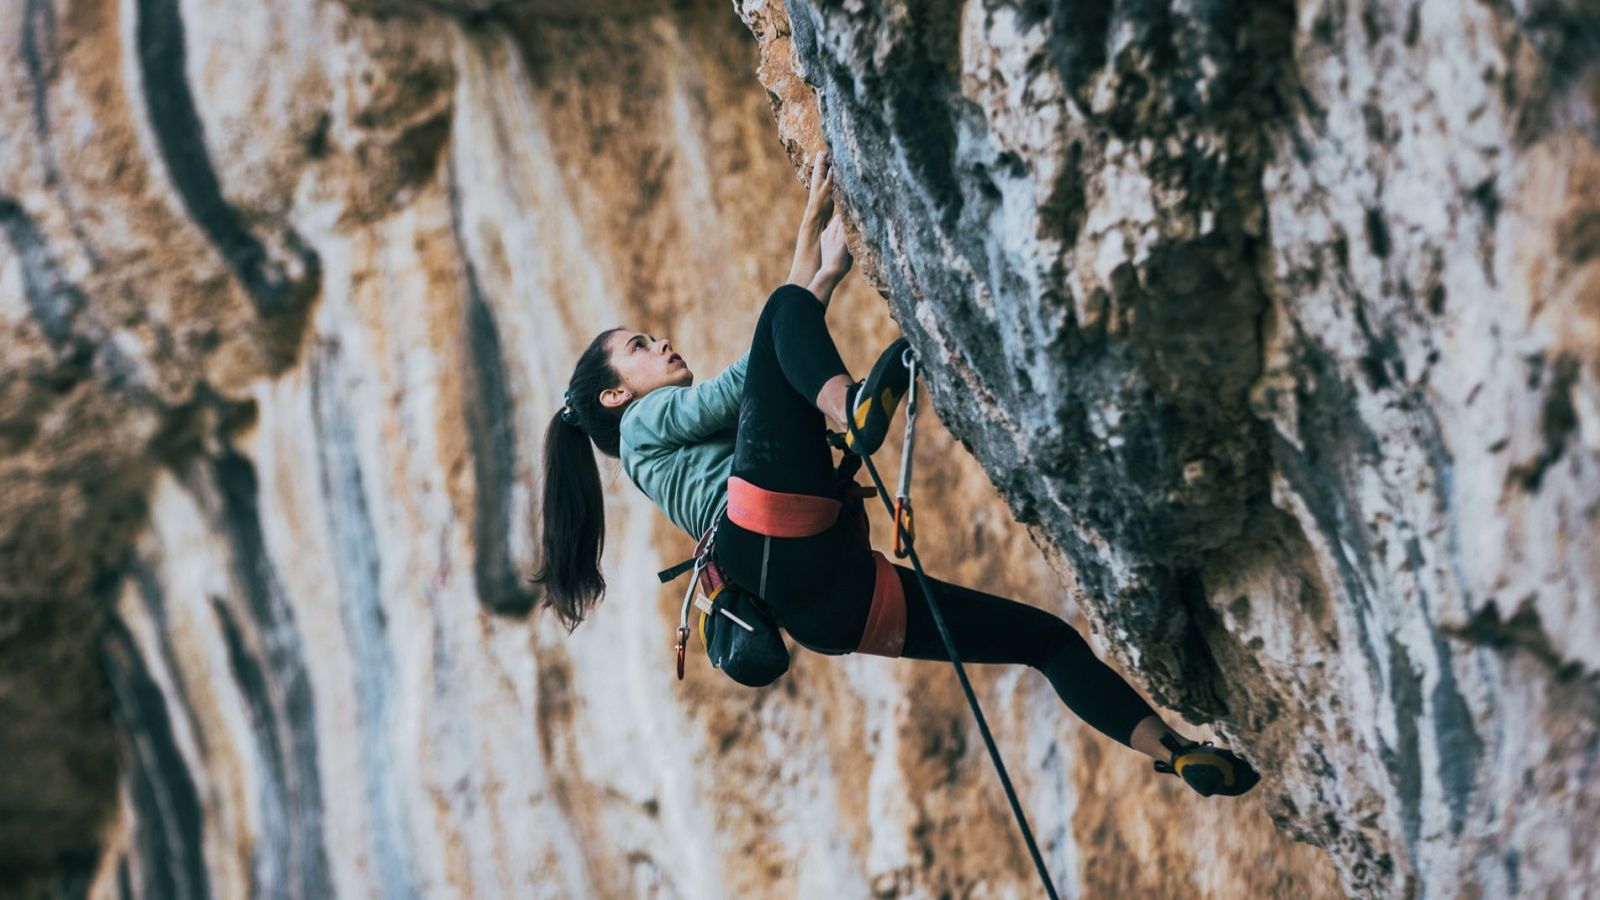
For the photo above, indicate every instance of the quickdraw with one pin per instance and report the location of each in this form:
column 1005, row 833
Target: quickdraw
column 904, row 524
column 696, row 563
column 682, row 645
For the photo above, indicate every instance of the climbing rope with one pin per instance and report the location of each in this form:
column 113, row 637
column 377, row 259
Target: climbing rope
column 901, row 513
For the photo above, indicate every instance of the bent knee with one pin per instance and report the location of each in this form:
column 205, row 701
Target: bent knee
column 791, row 297
column 1062, row 647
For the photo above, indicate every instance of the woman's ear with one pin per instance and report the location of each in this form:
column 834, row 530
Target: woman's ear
column 611, row 398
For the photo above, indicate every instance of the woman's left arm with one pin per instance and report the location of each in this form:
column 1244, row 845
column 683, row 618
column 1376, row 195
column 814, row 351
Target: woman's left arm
column 692, row 414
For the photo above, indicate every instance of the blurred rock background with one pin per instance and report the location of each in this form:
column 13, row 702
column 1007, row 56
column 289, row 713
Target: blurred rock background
column 1265, row 334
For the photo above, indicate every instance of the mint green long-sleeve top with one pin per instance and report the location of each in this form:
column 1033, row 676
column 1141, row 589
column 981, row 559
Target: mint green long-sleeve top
column 677, row 446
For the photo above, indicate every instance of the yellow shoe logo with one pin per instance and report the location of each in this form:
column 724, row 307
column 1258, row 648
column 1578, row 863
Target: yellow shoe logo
column 1204, row 759
column 864, row 409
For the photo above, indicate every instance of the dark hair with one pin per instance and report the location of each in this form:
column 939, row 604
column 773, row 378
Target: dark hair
column 574, row 515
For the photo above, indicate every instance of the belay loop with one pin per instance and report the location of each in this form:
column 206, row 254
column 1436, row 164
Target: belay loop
column 902, row 528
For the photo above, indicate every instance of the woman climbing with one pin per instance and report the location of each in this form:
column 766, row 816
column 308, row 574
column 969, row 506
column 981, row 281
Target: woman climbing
column 748, row 452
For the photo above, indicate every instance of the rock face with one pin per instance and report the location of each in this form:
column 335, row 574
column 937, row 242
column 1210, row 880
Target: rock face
column 1279, row 323
column 1275, row 326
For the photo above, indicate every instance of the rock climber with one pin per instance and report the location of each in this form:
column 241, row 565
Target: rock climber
column 748, row 448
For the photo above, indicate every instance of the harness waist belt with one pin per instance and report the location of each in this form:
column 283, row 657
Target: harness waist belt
column 777, row 514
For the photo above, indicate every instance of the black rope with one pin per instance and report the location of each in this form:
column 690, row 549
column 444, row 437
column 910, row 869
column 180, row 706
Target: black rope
column 961, row 673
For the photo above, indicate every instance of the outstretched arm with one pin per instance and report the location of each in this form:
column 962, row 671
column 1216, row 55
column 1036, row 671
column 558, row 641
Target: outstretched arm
column 819, row 209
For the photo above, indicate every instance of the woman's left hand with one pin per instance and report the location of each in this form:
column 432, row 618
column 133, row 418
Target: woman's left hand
column 836, row 262
column 836, row 259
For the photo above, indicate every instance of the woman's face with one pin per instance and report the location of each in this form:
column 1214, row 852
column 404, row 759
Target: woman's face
column 644, row 363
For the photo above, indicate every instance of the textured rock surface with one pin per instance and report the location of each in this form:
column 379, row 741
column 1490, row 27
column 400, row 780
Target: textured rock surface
column 289, row 295
column 1275, row 325
column 1278, row 322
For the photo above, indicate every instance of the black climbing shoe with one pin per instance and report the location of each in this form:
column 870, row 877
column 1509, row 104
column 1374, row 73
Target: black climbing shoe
column 871, row 403
column 1208, row 769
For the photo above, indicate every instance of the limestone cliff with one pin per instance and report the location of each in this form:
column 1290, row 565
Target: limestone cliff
column 1278, row 322
column 1274, row 325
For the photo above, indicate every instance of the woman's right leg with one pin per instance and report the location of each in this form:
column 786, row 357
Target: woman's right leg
column 990, row 629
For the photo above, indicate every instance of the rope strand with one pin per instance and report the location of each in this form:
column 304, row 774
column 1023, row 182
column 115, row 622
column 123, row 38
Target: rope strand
column 961, row 673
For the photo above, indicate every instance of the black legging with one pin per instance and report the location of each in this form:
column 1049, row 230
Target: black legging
column 820, row 587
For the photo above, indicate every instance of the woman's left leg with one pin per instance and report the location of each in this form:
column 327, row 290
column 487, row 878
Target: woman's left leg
column 989, row 629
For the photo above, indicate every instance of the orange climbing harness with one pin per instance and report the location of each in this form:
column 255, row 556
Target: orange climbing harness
column 777, row 514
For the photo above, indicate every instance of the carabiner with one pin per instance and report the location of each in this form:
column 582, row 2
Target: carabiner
column 683, row 613
column 903, row 525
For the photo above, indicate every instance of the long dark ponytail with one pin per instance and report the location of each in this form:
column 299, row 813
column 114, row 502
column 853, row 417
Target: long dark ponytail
column 574, row 515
